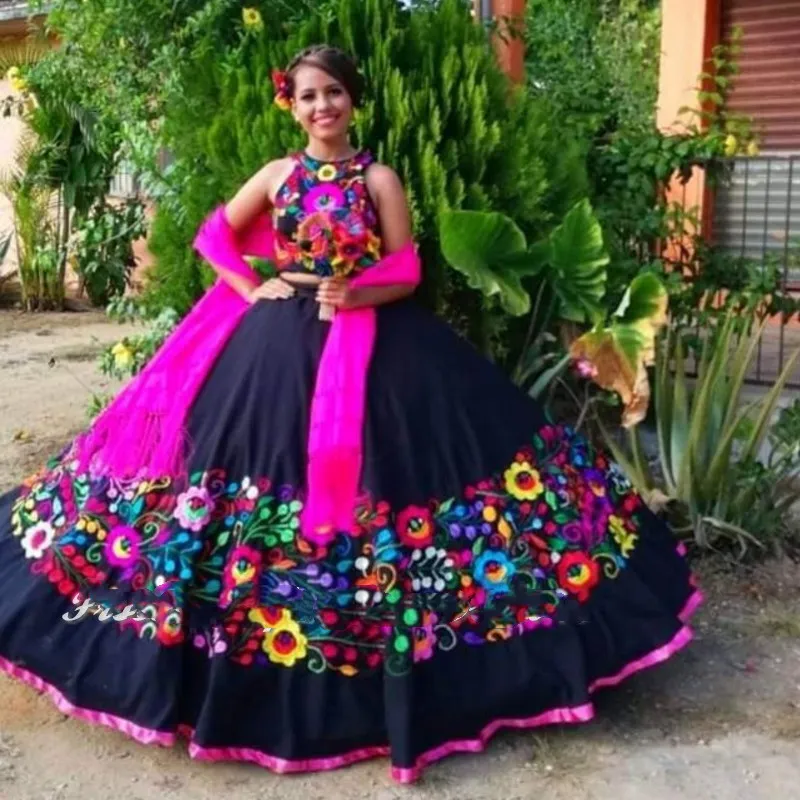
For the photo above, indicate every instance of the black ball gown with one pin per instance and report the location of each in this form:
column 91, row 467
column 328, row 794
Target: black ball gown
column 501, row 570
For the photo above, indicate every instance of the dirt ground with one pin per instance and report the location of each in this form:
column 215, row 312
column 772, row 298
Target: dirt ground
column 719, row 721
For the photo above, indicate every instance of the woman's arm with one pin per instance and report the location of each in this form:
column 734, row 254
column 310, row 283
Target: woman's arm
column 389, row 197
column 250, row 201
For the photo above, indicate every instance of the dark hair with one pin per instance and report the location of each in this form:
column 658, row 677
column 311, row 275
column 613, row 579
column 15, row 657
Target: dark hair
column 338, row 64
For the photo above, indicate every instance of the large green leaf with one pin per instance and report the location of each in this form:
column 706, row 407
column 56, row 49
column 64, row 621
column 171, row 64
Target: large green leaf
column 491, row 252
column 578, row 258
column 645, row 298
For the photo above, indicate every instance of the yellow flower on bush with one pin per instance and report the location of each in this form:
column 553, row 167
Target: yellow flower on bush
column 731, row 145
column 17, row 82
column 523, row 482
column 752, row 148
column 252, row 18
column 123, row 356
column 622, row 536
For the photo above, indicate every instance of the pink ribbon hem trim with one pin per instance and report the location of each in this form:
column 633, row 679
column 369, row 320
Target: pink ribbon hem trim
column 574, row 714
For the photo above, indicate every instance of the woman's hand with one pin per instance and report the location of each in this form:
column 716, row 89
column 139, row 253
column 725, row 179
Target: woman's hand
column 336, row 292
column 272, row 289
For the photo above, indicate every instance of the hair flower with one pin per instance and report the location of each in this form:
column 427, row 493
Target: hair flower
column 280, row 80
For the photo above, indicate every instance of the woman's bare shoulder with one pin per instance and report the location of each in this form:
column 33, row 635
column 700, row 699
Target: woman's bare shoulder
column 274, row 174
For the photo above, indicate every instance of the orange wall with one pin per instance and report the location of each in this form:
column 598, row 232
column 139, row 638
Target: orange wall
column 511, row 53
column 690, row 28
column 684, row 42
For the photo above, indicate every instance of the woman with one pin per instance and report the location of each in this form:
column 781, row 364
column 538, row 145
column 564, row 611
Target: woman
column 375, row 543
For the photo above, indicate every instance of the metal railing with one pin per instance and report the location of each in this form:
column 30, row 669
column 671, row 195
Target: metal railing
column 756, row 222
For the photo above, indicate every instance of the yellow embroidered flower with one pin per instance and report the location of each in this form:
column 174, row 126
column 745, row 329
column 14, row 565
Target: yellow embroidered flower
column 252, row 18
column 285, row 643
column 622, row 536
column 327, row 172
column 523, row 481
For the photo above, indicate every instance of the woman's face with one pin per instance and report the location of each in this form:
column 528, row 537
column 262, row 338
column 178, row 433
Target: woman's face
column 321, row 104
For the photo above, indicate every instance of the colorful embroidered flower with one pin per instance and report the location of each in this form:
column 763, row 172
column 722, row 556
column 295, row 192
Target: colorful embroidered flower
column 37, row 539
column 523, row 481
column 285, row 643
column 325, row 197
column 243, row 568
column 312, row 235
column 578, row 573
column 327, row 172
column 169, row 622
column 595, row 511
column 415, row 526
column 493, row 570
column 244, row 565
column 268, row 616
column 425, row 637
column 622, row 536
column 193, row 508
column 122, row 546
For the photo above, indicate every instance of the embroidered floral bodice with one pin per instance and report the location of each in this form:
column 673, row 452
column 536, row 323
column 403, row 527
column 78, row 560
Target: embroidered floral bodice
column 325, row 220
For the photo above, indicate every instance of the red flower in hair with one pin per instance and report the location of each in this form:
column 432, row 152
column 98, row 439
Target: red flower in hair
column 280, row 80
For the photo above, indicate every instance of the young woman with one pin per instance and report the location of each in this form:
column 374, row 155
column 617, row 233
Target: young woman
column 319, row 527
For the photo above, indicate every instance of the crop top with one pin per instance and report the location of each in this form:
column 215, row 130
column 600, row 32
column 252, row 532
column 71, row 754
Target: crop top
column 325, row 220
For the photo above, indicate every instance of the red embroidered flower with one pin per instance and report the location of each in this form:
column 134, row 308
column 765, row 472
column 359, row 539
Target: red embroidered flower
column 578, row 574
column 415, row 526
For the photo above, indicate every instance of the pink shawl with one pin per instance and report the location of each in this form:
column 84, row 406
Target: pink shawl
column 142, row 434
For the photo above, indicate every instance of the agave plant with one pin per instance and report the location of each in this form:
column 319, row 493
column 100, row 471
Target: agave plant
column 706, row 436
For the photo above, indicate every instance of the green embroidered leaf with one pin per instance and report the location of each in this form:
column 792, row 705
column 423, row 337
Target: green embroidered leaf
column 222, row 539
column 551, row 499
column 445, row 507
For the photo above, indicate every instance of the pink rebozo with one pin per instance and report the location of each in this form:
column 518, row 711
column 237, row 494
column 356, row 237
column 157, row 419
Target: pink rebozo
column 142, row 433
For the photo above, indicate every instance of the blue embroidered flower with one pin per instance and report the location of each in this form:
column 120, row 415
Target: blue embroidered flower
column 494, row 570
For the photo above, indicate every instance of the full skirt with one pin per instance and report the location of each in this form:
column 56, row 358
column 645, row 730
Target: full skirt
column 500, row 569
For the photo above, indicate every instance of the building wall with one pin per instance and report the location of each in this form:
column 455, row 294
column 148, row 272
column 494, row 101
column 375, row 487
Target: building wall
column 690, row 28
column 13, row 35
